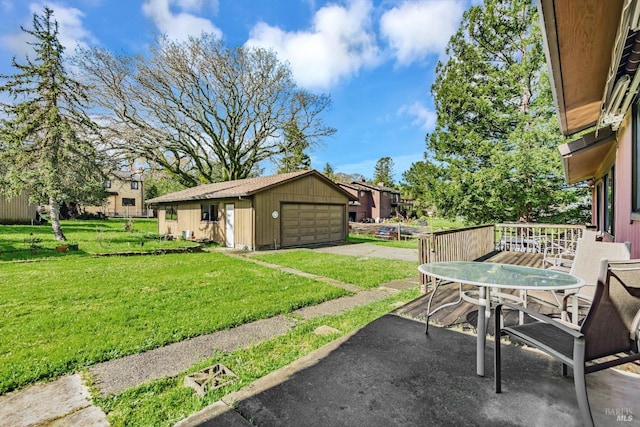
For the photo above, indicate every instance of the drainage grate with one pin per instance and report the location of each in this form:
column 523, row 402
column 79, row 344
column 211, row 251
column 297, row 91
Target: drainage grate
column 210, row 378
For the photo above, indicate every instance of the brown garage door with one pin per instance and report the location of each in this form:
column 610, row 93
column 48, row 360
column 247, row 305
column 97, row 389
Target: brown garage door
column 305, row 224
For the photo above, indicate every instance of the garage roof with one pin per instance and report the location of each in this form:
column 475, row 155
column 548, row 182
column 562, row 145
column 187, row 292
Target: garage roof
column 240, row 188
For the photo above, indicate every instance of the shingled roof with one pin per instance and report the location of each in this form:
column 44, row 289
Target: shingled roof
column 366, row 185
column 237, row 188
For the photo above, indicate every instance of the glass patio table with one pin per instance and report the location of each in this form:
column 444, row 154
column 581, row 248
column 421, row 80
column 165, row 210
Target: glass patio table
column 487, row 276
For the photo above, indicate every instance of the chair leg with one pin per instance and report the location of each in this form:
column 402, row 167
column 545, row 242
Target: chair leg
column 563, row 370
column 580, row 381
column 581, row 394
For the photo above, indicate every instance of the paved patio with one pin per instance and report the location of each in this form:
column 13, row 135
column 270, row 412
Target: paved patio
column 390, row 373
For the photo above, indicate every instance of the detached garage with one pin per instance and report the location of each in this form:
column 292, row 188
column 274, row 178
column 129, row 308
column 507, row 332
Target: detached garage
column 278, row 211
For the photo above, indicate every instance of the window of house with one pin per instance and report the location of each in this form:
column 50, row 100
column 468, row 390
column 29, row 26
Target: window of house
column 134, row 185
column 171, row 213
column 605, row 203
column 599, row 193
column 209, row 212
column 608, row 201
column 128, row 201
column 107, row 184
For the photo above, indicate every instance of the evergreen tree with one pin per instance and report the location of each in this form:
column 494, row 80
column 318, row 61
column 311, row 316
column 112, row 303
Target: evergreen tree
column 417, row 186
column 294, row 158
column 493, row 153
column 329, row 172
column 48, row 147
column 383, row 172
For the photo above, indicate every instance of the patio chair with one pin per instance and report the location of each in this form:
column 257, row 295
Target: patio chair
column 586, row 265
column 608, row 336
column 558, row 257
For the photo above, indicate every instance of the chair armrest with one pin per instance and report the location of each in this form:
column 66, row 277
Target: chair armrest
column 586, row 298
column 540, row 317
column 562, row 258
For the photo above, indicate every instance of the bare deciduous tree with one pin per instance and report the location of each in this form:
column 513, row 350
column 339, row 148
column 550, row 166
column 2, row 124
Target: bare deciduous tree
column 199, row 110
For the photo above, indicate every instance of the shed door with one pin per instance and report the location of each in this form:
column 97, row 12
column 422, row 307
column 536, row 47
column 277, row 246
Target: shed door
column 304, row 224
column 229, row 239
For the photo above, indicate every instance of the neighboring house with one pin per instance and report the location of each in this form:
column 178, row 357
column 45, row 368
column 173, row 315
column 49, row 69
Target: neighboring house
column 593, row 52
column 17, row 210
column 291, row 209
column 125, row 196
column 374, row 201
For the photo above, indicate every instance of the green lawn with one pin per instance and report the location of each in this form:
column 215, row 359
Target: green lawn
column 62, row 314
column 20, row 242
column 361, row 271
column 164, row 402
column 368, row 238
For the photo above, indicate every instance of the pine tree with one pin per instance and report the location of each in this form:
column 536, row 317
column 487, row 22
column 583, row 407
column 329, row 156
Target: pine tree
column 294, row 158
column 329, row 172
column 383, row 172
column 48, row 146
column 494, row 148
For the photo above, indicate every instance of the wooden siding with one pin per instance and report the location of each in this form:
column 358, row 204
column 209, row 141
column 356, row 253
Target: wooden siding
column 17, row 210
column 189, row 220
column 308, row 189
column 243, row 222
column 626, row 229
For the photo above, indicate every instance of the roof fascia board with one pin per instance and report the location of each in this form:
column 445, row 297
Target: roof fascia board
column 546, row 10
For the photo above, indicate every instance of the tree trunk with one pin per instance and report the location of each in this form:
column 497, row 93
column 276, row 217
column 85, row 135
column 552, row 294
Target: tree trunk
column 55, row 220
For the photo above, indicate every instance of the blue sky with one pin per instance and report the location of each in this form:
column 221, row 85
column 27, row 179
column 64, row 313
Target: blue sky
column 375, row 58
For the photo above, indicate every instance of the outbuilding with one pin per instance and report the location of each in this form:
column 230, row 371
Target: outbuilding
column 269, row 212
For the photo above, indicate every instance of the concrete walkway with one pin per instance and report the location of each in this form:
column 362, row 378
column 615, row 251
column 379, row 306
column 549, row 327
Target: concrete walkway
column 67, row 402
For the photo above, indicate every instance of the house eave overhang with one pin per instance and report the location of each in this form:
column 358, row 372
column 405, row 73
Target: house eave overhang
column 582, row 157
column 579, row 37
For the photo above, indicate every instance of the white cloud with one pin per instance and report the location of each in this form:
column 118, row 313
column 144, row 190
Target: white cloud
column 71, row 32
column 181, row 25
column 198, row 5
column 415, row 30
column 422, row 116
column 339, row 43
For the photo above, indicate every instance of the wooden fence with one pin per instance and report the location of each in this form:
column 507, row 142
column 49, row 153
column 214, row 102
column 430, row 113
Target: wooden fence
column 17, row 210
column 472, row 243
column 463, row 244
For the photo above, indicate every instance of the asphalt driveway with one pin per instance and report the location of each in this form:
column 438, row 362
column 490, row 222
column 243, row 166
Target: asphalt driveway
column 371, row 250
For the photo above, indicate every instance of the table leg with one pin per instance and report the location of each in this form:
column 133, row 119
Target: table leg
column 431, row 313
column 483, row 318
column 523, row 297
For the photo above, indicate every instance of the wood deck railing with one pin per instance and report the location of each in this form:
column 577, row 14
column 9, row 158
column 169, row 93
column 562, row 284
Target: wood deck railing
column 468, row 244
column 463, row 244
column 537, row 238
